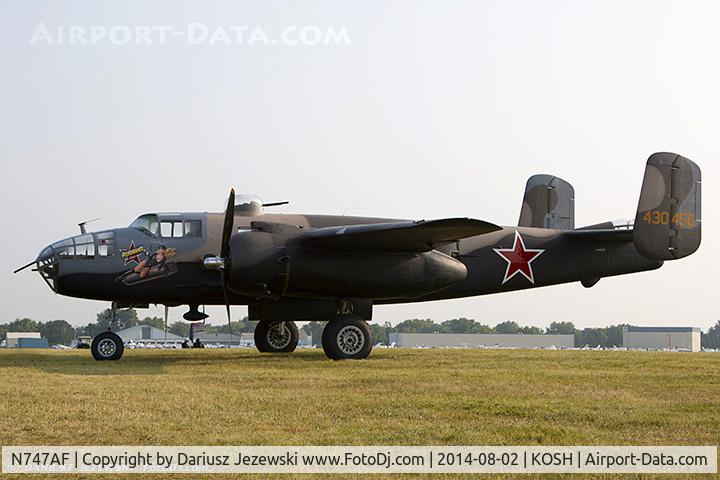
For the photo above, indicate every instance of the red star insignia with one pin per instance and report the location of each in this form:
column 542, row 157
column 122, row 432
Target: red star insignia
column 132, row 253
column 518, row 259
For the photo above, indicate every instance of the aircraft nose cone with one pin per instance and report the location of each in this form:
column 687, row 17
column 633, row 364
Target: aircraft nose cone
column 47, row 264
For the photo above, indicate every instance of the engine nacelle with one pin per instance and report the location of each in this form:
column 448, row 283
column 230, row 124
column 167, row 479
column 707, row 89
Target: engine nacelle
column 266, row 262
column 371, row 275
column 256, row 260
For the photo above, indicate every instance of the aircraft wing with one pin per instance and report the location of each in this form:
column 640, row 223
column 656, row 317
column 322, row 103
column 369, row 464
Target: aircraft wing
column 408, row 236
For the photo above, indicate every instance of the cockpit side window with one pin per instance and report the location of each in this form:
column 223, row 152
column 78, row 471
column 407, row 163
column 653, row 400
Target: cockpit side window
column 147, row 224
column 171, row 229
column 193, row 228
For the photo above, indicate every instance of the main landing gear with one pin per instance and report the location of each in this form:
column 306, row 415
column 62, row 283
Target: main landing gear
column 276, row 337
column 345, row 337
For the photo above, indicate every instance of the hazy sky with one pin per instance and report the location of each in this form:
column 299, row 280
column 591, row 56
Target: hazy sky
column 430, row 110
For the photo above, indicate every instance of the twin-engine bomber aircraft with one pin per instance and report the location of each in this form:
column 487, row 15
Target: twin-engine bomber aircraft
column 290, row 268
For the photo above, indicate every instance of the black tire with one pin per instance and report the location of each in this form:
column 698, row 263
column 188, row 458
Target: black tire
column 347, row 337
column 107, row 346
column 276, row 337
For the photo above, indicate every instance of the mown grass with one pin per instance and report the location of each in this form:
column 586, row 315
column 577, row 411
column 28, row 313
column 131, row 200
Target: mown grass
column 396, row 397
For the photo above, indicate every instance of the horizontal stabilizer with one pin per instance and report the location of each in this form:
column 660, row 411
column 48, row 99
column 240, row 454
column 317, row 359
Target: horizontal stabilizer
column 601, row 234
column 667, row 224
column 549, row 202
column 419, row 236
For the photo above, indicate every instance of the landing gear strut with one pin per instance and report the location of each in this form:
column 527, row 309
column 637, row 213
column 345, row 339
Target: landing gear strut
column 347, row 337
column 276, row 337
column 108, row 345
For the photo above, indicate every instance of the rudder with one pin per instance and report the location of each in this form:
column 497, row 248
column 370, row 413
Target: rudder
column 667, row 223
column 549, row 202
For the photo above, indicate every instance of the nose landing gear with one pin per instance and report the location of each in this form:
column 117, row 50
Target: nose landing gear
column 107, row 346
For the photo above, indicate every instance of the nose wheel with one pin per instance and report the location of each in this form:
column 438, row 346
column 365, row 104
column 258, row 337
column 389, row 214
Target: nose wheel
column 107, row 346
column 347, row 337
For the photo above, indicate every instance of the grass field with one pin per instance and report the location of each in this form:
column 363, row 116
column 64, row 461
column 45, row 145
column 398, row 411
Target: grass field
column 396, row 397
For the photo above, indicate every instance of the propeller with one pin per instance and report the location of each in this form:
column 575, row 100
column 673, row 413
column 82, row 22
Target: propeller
column 225, row 255
column 222, row 263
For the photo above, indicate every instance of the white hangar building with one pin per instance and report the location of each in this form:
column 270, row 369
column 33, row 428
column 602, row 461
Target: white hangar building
column 479, row 340
column 662, row 338
column 147, row 335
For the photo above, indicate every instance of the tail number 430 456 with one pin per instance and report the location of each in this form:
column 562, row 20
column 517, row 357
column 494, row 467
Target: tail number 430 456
column 656, row 217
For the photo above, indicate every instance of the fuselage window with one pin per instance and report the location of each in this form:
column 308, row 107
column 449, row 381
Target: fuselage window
column 171, row 229
column 193, row 228
column 106, row 244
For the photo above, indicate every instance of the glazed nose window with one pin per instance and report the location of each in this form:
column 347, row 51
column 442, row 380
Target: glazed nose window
column 64, row 248
column 46, row 255
column 84, row 247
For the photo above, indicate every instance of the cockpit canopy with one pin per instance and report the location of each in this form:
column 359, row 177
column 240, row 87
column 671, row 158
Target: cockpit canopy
column 147, row 223
column 169, row 225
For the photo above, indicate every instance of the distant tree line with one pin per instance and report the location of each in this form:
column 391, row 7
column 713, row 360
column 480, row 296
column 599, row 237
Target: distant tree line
column 56, row 331
column 61, row 332
column 711, row 339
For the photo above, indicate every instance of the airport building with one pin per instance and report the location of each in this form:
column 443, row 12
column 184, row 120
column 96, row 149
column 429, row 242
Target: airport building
column 25, row 340
column 148, row 335
column 662, row 338
column 244, row 339
column 225, row 339
column 480, row 340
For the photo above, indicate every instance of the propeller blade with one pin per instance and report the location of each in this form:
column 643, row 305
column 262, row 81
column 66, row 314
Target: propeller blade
column 226, row 295
column 24, row 267
column 228, row 225
column 225, row 253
